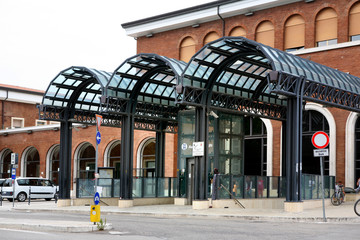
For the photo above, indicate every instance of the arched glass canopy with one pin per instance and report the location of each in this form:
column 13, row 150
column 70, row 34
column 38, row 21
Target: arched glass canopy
column 144, row 85
column 237, row 74
column 75, row 95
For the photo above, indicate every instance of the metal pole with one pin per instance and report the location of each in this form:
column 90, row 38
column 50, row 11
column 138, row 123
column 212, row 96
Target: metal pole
column 322, row 186
column 96, row 160
column 13, row 183
column 29, row 201
column 1, row 197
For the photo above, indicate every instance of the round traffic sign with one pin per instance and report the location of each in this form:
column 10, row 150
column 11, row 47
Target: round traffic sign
column 98, row 137
column 320, row 139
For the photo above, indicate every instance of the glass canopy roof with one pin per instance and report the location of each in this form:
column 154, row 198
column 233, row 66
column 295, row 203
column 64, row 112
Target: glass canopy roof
column 229, row 74
column 238, row 67
column 148, row 81
column 78, row 89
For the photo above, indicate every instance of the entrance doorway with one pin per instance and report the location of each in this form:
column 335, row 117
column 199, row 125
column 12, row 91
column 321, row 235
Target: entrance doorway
column 190, row 179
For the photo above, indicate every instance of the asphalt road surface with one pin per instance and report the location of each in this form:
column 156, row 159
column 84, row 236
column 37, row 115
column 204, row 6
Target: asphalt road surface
column 154, row 228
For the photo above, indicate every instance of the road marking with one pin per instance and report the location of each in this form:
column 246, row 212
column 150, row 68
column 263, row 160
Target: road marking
column 24, row 231
column 117, row 233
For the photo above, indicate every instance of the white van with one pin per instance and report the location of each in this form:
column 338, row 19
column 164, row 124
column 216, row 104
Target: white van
column 39, row 187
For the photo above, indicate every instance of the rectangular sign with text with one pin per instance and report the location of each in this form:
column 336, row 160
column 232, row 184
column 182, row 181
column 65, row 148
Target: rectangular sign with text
column 321, row 152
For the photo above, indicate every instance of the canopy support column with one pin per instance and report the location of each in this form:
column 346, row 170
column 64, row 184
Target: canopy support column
column 160, row 151
column 65, row 160
column 294, row 144
column 201, row 162
column 126, row 162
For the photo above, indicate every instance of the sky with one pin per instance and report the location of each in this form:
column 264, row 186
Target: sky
column 40, row 38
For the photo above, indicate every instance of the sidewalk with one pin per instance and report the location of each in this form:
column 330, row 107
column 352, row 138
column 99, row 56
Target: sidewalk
column 343, row 213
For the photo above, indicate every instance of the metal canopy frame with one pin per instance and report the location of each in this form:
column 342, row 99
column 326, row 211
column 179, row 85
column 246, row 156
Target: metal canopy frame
column 231, row 74
column 76, row 93
column 245, row 77
column 233, row 70
column 144, row 86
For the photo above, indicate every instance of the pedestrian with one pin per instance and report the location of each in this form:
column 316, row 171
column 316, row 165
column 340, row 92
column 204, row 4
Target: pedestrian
column 358, row 185
column 234, row 189
column 260, row 187
column 248, row 186
column 214, row 185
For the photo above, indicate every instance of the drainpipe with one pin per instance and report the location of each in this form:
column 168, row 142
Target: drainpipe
column 223, row 21
column 2, row 109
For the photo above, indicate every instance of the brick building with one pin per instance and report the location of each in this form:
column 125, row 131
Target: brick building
column 321, row 31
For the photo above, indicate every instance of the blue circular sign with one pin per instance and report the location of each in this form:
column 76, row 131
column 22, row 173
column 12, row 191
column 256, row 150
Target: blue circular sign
column 97, row 198
column 98, row 137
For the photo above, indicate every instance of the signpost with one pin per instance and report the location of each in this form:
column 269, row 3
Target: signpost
column 321, row 140
column 95, row 209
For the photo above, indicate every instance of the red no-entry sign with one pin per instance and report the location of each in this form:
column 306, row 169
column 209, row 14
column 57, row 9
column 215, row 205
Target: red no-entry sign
column 320, row 139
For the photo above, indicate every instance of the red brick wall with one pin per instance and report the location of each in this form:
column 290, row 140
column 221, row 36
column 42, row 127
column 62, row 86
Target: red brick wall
column 19, row 110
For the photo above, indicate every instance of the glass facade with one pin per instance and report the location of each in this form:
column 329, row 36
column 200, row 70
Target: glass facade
column 231, row 136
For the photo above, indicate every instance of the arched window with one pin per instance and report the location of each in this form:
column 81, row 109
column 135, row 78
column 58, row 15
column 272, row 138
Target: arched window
column 354, row 20
column 255, row 147
column 326, row 27
column 32, row 163
column 5, row 164
column 357, row 151
column 238, row 32
column 187, row 49
column 294, row 33
column 313, row 121
column 265, row 33
column 86, row 162
column 148, row 159
column 54, row 165
column 212, row 36
column 114, row 158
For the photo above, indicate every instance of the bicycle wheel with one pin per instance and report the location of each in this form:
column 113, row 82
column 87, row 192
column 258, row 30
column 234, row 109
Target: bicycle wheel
column 357, row 207
column 334, row 200
column 341, row 197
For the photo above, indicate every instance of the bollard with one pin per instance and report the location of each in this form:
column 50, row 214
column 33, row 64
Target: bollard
column 56, row 197
column 29, row 196
column 1, row 199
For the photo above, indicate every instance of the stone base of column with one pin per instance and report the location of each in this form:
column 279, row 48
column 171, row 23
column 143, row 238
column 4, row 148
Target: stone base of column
column 180, row 201
column 200, row 204
column 64, row 202
column 294, row 207
column 125, row 203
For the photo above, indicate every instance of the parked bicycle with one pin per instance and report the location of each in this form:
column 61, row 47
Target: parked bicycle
column 357, row 207
column 338, row 197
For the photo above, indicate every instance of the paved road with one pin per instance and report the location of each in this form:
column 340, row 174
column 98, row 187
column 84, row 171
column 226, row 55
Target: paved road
column 154, row 228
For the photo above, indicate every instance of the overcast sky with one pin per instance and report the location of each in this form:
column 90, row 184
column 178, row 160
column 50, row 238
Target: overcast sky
column 40, row 38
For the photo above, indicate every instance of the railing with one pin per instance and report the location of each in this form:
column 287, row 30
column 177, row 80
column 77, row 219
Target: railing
column 272, row 187
column 239, row 186
column 311, row 186
column 142, row 187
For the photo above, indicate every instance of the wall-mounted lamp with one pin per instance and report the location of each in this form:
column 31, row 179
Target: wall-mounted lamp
column 248, row 14
column 29, row 131
column 56, row 129
column 149, row 35
column 309, row 1
column 212, row 113
column 282, row 97
column 5, row 134
column 196, row 25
